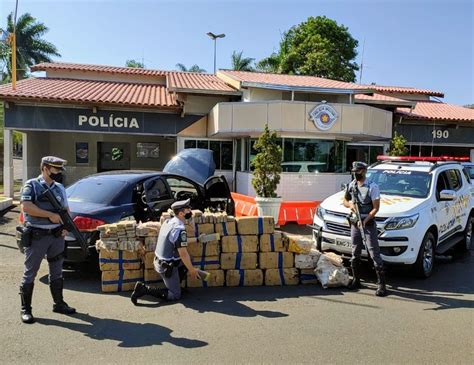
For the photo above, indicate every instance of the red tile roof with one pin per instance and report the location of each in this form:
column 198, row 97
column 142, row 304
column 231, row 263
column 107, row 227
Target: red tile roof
column 46, row 66
column 317, row 82
column 405, row 90
column 289, row 80
column 91, row 92
column 188, row 81
column 437, row 111
column 381, row 99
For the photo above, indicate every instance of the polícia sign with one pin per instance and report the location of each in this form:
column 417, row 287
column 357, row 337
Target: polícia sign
column 107, row 122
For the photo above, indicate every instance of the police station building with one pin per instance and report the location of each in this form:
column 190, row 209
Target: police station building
column 103, row 118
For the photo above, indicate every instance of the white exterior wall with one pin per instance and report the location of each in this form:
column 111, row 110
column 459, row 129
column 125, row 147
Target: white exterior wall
column 298, row 187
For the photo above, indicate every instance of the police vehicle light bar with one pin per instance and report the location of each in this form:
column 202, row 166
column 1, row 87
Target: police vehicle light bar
column 422, row 158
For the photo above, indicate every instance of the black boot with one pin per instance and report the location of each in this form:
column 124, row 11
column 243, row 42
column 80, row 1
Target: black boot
column 138, row 292
column 60, row 306
column 381, row 289
column 355, row 282
column 141, row 290
column 26, row 294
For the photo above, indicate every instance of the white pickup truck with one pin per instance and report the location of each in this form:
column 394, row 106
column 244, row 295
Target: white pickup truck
column 426, row 208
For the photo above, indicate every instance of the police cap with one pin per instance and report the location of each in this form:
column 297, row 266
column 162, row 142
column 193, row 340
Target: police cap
column 181, row 204
column 358, row 165
column 54, row 162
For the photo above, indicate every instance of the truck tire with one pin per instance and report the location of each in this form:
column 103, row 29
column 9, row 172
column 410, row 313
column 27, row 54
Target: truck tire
column 466, row 244
column 423, row 267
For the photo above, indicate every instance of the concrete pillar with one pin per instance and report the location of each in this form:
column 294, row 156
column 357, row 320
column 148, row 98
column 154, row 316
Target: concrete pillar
column 8, row 163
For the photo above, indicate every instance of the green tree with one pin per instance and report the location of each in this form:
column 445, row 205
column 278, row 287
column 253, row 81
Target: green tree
column 316, row 47
column 240, row 63
column 193, row 68
column 267, row 164
column 134, row 64
column 398, row 146
column 31, row 48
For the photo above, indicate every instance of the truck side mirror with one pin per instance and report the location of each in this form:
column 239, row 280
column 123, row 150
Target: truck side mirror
column 447, row 195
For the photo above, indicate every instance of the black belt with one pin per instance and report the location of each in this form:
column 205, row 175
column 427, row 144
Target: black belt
column 174, row 262
column 45, row 232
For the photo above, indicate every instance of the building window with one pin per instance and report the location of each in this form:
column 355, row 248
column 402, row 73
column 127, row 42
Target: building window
column 364, row 153
column 222, row 151
column 307, row 155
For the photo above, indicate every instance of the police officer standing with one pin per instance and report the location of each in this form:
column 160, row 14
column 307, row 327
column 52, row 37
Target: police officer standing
column 46, row 235
column 172, row 260
column 367, row 196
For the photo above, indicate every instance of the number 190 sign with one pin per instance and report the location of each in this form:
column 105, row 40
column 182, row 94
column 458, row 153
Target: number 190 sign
column 440, row 134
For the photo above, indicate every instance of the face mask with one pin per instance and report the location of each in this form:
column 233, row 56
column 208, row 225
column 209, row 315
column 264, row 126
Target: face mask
column 56, row 177
column 188, row 215
column 359, row 176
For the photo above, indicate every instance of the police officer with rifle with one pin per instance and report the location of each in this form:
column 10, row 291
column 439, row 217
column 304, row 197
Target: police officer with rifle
column 363, row 198
column 43, row 234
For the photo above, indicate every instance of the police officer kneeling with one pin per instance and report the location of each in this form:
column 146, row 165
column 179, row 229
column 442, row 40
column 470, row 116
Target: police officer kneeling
column 367, row 196
column 172, row 260
column 43, row 235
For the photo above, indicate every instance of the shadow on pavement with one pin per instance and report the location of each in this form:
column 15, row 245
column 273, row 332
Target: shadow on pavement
column 128, row 334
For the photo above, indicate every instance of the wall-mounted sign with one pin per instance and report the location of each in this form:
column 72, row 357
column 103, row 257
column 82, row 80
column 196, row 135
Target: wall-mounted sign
column 324, row 116
column 82, row 152
column 104, row 121
column 436, row 134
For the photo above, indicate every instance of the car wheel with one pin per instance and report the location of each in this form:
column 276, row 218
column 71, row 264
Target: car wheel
column 423, row 267
column 466, row 243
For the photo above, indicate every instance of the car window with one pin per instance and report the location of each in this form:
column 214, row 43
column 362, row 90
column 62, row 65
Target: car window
column 469, row 170
column 156, row 190
column 291, row 168
column 454, row 179
column 316, row 168
column 414, row 184
column 94, row 190
column 182, row 189
column 441, row 184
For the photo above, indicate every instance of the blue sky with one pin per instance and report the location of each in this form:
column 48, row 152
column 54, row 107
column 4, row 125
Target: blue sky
column 427, row 44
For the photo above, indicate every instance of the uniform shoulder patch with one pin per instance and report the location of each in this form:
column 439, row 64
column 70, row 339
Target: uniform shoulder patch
column 183, row 236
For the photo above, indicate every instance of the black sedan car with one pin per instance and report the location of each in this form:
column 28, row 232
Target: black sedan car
column 136, row 195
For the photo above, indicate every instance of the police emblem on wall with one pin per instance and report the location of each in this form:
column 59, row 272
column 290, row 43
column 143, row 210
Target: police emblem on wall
column 324, row 116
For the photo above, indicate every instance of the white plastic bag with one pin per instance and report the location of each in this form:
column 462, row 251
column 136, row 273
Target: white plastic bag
column 307, row 261
column 330, row 275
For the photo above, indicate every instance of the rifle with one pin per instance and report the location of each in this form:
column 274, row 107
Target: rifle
column 68, row 223
column 359, row 222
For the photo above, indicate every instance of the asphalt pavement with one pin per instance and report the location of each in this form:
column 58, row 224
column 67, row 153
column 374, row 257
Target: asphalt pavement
column 422, row 321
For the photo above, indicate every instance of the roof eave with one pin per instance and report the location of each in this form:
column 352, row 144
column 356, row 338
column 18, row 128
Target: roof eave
column 322, row 90
column 203, row 91
column 390, row 103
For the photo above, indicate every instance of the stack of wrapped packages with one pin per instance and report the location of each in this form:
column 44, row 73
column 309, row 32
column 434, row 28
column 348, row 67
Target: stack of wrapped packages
column 236, row 251
column 118, row 256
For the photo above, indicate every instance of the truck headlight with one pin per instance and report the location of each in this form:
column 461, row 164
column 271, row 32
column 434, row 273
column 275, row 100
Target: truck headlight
column 402, row 222
column 320, row 212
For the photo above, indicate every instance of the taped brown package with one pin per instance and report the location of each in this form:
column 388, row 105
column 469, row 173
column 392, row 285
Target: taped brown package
column 148, row 260
column 207, row 262
column 275, row 260
column 244, row 277
column 307, row 276
column 119, row 260
column 272, row 243
column 212, row 248
column 152, row 278
column 226, row 228
column 230, row 260
column 281, row 277
column 216, row 278
column 255, row 225
column 195, row 230
column 120, row 280
column 239, row 243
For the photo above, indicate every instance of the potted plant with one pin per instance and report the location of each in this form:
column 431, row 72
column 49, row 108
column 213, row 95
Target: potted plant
column 266, row 174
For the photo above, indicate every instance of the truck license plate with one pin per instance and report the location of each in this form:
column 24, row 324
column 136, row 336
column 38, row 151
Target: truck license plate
column 343, row 243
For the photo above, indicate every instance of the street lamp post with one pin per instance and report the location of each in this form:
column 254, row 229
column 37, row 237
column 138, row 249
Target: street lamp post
column 214, row 38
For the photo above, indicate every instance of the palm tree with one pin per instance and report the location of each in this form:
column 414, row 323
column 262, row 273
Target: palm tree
column 270, row 63
column 240, row 63
column 30, row 47
column 193, row 68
